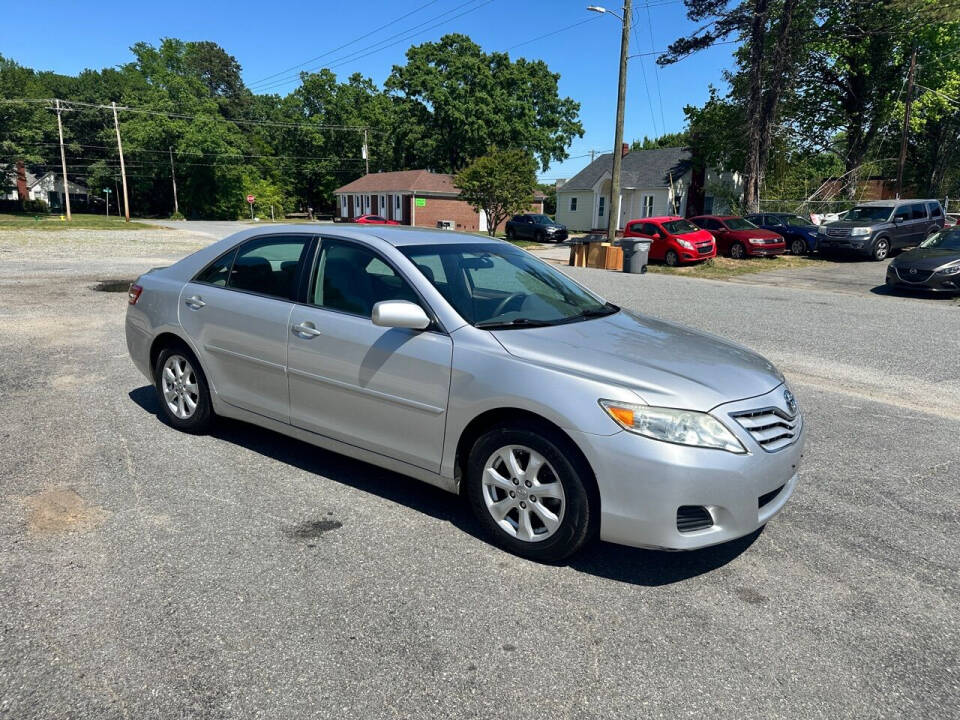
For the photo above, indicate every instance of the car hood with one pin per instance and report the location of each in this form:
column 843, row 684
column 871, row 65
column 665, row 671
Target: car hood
column 667, row 364
column 926, row 258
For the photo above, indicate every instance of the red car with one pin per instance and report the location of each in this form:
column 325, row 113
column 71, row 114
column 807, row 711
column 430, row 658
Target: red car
column 374, row 220
column 740, row 238
column 675, row 240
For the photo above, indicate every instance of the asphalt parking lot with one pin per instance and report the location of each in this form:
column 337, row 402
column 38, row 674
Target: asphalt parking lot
column 149, row 574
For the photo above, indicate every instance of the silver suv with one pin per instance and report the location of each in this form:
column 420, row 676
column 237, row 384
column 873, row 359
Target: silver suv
column 472, row 365
column 879, row 227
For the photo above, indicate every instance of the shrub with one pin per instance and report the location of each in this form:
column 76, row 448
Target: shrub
column 177, row 216
column 35, row 206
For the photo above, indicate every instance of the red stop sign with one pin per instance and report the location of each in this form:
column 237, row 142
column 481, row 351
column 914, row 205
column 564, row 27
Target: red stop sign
column 251, row 198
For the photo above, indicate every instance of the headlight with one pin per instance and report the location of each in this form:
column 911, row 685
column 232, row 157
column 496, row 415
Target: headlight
column 949, row 270
column 860, row 231
column 685, row 243
column 683, row 427
column 821, row 229
column 757, row 241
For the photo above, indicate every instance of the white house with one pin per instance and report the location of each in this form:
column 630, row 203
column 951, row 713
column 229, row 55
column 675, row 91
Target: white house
column 48, row 187
column 653, row 183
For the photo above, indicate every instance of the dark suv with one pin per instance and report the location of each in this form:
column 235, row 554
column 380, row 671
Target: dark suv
column 535, row 227
column 876, row 228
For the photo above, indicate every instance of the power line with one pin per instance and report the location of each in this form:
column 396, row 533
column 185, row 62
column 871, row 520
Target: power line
column 403, row 36
column 656, row 70
column 555, row 32
column 340, row 47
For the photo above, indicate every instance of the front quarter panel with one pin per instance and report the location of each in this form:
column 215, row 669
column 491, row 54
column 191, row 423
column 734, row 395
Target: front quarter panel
column 485, row 377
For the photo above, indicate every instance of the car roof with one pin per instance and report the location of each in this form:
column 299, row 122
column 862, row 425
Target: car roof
column 659, row 218
column 719, row 217
column 396, row 235
column 891, row 201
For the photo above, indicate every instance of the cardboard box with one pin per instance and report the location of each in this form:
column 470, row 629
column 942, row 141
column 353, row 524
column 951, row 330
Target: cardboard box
column 614, row 258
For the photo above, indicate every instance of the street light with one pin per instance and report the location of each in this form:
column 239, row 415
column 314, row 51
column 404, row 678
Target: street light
column 614, row 219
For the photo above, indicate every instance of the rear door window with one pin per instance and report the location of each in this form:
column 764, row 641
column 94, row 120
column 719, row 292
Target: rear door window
column 935, row 209
column 269, row 265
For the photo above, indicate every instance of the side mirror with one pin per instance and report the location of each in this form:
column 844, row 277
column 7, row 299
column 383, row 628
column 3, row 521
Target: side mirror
column 897, row 219
column 399, row 314
column 656, row 236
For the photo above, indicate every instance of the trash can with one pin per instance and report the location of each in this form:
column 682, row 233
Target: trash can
column 636, row 251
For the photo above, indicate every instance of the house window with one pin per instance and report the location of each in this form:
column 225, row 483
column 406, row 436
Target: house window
column 646, row 206
column 573, row 204
column 600, row 206
column 398, row 207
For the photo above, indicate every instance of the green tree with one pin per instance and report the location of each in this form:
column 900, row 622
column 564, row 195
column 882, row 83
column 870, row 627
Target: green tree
column 499, row 184
column 468, row 100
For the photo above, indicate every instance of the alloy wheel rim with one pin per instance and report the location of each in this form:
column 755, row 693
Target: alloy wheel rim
column 523, row 493
column 181, row 392
column 881, row 250
column 736, row 251
column 798, row 247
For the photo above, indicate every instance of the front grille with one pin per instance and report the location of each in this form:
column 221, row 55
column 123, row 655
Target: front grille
column 693, row 517
column 838, row 232
column 767, row 497
column 705, row 248
column 772, row 428
column 918, row 277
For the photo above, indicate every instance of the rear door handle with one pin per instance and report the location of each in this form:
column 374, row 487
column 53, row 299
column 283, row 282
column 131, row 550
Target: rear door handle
column 306, row 329
column 195, row 302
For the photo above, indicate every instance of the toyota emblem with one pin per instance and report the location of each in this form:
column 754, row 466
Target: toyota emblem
column 791, row 402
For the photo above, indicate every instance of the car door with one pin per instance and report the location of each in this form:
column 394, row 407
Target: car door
column 918, row 224
column 236, row 313
column 901, row 230
column 381, row 389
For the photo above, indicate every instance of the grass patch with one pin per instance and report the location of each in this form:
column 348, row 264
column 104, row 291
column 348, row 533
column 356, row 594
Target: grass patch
column 720, row 268
column 23, row 221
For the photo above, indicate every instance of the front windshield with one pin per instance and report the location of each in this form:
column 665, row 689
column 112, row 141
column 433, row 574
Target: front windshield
column 869, row 212
column 739, row 224
column 542, row 219
column 797, row 221
column 943, row 240
column 680, row 227
column 496, row 285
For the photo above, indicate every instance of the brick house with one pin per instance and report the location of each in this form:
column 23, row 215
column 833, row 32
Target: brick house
column 412, row 197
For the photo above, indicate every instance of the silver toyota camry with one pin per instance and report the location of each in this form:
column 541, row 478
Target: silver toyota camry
column 472, row 365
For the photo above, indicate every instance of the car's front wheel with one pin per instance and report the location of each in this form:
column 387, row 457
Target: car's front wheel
column 182, row 390
column 737, row 251
column 671, row 258
column 881, row 248
column 529, row 493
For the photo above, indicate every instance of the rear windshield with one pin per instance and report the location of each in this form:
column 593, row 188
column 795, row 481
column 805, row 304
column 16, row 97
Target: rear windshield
column 680, row 227
column 739, row 224
column 869, row 212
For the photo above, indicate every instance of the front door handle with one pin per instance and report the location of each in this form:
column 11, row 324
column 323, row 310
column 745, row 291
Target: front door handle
column 306, row 329
column 195, row 302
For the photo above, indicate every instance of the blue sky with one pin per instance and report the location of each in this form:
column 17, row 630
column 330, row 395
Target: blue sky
column 267, row 39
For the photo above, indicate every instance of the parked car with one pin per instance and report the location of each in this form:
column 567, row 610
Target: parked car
column 876, row 228
column 740, row 238
column 374, row 220
column 935, row 265
column 675, row 240
column 469, row 363
column 951, row 219
column 799, row 233
column 535, row 227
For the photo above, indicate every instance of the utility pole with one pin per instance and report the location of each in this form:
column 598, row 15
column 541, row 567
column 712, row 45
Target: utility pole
column 366, row 152
column 173, row 176
column 906, row 124
column 592, row 154
column 63, row 164
column 614, row 219
column 123, row 169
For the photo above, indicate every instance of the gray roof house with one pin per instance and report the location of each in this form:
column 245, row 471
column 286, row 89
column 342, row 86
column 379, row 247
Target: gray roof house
column 653, row 183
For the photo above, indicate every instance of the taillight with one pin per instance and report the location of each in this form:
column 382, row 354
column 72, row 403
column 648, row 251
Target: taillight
column 133, row 294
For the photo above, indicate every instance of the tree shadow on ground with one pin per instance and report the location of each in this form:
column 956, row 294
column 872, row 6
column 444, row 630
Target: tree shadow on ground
column 615, row 562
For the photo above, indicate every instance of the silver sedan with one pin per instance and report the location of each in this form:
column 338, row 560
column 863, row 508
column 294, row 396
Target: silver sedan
column 472, row 365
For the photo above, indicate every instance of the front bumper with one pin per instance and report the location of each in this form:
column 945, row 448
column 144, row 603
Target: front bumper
column 923, row 280
column 557, row 236
column 644, row 482
column 765, row 250
column 860, row 244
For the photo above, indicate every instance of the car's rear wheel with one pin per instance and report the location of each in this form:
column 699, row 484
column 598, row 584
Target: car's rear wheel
column 737, row 251
column 529, row 493
column 510, row 233
column 798, row 247
column 881, row 248
column 182, row 390
column 671, row 258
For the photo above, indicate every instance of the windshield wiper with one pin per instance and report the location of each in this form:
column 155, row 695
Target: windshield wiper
column 602, row 311
column 516, row 322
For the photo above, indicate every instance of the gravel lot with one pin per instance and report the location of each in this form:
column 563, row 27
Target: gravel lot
column 150, row 574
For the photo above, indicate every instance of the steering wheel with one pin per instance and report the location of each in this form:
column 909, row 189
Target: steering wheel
column 502, row 306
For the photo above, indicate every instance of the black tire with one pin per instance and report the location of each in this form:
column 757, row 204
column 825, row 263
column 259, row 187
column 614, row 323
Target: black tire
column 880, row 250
column 510, row 233
column 198, row 422
column 737, row 251
column 538, row 236
column 798, row 247
column 671, row 258
column 581, row 513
